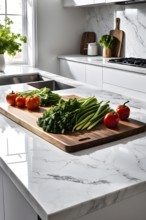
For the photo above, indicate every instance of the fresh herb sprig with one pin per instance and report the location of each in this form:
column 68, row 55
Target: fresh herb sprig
column 9, row 41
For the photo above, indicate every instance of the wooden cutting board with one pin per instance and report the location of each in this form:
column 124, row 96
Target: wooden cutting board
column 118, row 34
column 87, row 37
column 76, row 141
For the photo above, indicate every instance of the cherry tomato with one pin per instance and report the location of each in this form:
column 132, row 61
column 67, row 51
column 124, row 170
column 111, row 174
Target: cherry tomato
column 32, row 102
column 111, row 119
column 20, row 101
column 123, row 111
column 10, row 98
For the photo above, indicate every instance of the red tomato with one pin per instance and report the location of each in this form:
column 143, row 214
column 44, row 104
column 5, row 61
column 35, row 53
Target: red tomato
column 123, row 111
column 20, row 101
column 32, row 102
column 10, row 98
column 111, row 119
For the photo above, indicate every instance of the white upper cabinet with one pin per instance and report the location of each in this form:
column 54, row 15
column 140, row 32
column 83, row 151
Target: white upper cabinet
column 68, row 3
column 75, row 3
column 112, row 1
column 99, row 1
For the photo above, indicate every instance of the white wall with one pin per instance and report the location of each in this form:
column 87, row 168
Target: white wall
column 59, row 32
column 60, row 29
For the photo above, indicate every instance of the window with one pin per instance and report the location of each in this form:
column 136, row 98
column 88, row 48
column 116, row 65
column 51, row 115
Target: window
column 16, row 11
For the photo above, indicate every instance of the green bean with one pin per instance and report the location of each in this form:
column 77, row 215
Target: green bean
column 100, row 109
column 79, row 125
column 95, row 123
column 103, row 113
column 92, row 121
column 86, row 113
column 89, row 101
column 82, row 111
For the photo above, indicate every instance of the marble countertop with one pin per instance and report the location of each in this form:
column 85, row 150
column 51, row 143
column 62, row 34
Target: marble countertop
column 66, row 186
column 18, row 70
column 100, row 61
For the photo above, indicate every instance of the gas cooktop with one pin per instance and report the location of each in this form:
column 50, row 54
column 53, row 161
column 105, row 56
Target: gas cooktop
column 131, row 61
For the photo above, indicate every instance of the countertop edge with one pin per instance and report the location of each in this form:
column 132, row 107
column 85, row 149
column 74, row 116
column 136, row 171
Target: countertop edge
column 101, row 61
column 77, row 210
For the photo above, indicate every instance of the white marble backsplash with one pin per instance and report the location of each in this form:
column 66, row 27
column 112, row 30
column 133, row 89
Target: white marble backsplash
column 133, row 22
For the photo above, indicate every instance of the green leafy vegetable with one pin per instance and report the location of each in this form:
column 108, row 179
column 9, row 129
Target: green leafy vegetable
column 47, row 97
column 60, row 118
column 106, row 41
column 73, row 115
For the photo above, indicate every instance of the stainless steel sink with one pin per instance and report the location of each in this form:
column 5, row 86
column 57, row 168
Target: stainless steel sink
column 52, row 84
column 35, row 80
column 7, row 80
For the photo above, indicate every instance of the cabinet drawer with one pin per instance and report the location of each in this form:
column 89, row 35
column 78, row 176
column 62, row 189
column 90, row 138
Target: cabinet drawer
column 123, row 79
column 72, row 70
column 94, row 75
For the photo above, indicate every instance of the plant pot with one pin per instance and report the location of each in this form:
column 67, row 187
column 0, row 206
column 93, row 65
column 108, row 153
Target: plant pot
column 107, row 52
column 2, row 63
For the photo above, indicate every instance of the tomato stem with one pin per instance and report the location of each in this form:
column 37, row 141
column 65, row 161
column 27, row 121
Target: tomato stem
column 112, row 111
column 125, row 103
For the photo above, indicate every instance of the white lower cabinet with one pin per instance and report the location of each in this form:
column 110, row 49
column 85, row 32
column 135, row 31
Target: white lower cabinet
column 72, row 70
column 16, row 207
column 90, row 74
column 94, row 75
column 1, row 196
column 131, row 84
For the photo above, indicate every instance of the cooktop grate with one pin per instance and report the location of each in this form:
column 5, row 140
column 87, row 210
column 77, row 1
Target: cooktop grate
column 137, row 62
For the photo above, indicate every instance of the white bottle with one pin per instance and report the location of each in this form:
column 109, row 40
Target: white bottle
column 92, row 49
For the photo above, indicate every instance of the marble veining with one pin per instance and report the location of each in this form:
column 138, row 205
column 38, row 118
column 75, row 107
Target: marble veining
column 102, row 19
column 66, row 186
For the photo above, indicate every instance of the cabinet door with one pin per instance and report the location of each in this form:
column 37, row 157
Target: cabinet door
column 99, row 1
column 16, row 207
column 68, row 3
column 130, row 80
column 94, row 75
column 72, row 70
column 1, row 197
column 110, row 1
column 131, row 84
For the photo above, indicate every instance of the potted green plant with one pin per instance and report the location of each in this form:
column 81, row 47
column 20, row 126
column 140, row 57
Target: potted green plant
column 9, row 42
column 106, row 41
